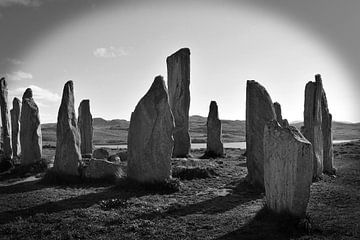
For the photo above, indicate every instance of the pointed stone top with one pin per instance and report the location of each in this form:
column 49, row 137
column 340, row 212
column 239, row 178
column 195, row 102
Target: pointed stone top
column 318, row 78
column 180, row 52
column 291, row 129
column 16, row 101
column 213, row 112
column 28, row 93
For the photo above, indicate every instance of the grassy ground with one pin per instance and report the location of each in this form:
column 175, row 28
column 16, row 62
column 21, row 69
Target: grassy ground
column 221, row 206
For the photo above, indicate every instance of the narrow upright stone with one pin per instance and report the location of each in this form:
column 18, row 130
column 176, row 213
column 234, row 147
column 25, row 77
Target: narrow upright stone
column 150, row 141
column 281, row 121
column 178, row 70
column 214, row 145
column 67, row 156
column 259, row 110
column 5, row 119
column 15, row 114
column 85, row 124
column 287, row 169
column 313, row 123
column 30, row 130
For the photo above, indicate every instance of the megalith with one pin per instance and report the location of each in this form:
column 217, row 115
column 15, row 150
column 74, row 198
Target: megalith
column 287, row 169
column 150, row 141
column 85, row 124
column 30, row 130
column 178, row 71
column 259, row 110
column 15, row 114
column 279, row 118
column 67, row 155
column 313, row 123
column 214, row 145
column 5, row 134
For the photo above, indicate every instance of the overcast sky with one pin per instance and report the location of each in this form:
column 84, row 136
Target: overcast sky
column 112, row 50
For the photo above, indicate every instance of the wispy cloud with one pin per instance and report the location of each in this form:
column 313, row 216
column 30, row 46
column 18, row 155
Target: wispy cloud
column 110, row 52
column 41, row 95
column 26, row 3
column 19, row 75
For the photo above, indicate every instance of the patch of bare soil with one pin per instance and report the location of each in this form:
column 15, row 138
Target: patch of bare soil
column 217, row 205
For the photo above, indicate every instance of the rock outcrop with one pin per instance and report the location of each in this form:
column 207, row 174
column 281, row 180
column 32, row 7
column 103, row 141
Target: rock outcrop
column 15, row 114
column 30, row 130
column 313, row 123
column 150, row 141
column 103, row 169
column 326, row 127
column 259, row 111
column 281, row 121
column 287, row 169
column 67, row 156
column 214, row 145
column 100, row 153
column 178, row 70
column 85, row 124
column 5, row 134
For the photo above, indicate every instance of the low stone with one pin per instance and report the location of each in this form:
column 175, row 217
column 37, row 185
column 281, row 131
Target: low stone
column 100, row 169
column 100, row 153
column 114, row 159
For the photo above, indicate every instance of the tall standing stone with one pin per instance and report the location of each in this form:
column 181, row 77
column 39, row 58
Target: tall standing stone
column 214, row 145
column 313, row 123
column 5, row 119
column 287, row 169
column 150, row 141
column 178, row 70
column 15, row 114
column 67, row 156
column 85, row 123
column 281, row 121
column 30, row 130
column 259, row 110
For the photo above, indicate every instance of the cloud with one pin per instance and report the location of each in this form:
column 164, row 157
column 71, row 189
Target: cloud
column 110, row 52
column 14, row 61
column 42, row 96
column 26, row 3
column 19, row 75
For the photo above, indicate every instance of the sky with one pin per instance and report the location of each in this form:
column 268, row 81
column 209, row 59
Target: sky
column 112, row 50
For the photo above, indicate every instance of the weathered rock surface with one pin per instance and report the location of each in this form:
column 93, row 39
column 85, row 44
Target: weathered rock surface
column 150, row 141
column 100, row 168
column 214, row 145
column 67, row 155
column 287, row 169
column 85, row 124
column 326, row 127
column 178, row 70
column 313, row 123
column 15, row 114
column 259, row 111
column 30, row 130
column 100, row 153
column 281, row 121
column 114, row 159
column 5, row 134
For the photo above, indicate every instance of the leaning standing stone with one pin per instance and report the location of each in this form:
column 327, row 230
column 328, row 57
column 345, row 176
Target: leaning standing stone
column 67, row 156
column 15, row 127
column 30, row 130
column 259, row 110
column 5, row 119
column 178, row 70
column 287, row 169
column 214, row 146
column 85, row 124
column 150, row 141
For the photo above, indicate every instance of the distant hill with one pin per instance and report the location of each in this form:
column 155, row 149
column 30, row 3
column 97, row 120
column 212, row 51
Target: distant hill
column 115, row 131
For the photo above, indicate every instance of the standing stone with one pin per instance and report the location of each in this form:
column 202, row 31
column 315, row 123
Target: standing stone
column 67, row 156
column 281, row 121
column 328, row 156
column 150, row 141
column 313, row 122
column 259, row 110
column 214, row 145
column 5, row 119
column 15, row 114
column 30, row 130
column 287, row 169
column 85, row 124
column 178, row 70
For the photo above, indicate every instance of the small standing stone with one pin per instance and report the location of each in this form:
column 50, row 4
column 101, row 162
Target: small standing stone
column 214, row 145
column 326, row 127
column 85, row 124
column 178, row 70
column 15, row 114
column 100, row 153
column 150, row 141
column 30, row 130
column 5, row 119
column 67, row 156
column 287, row 169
